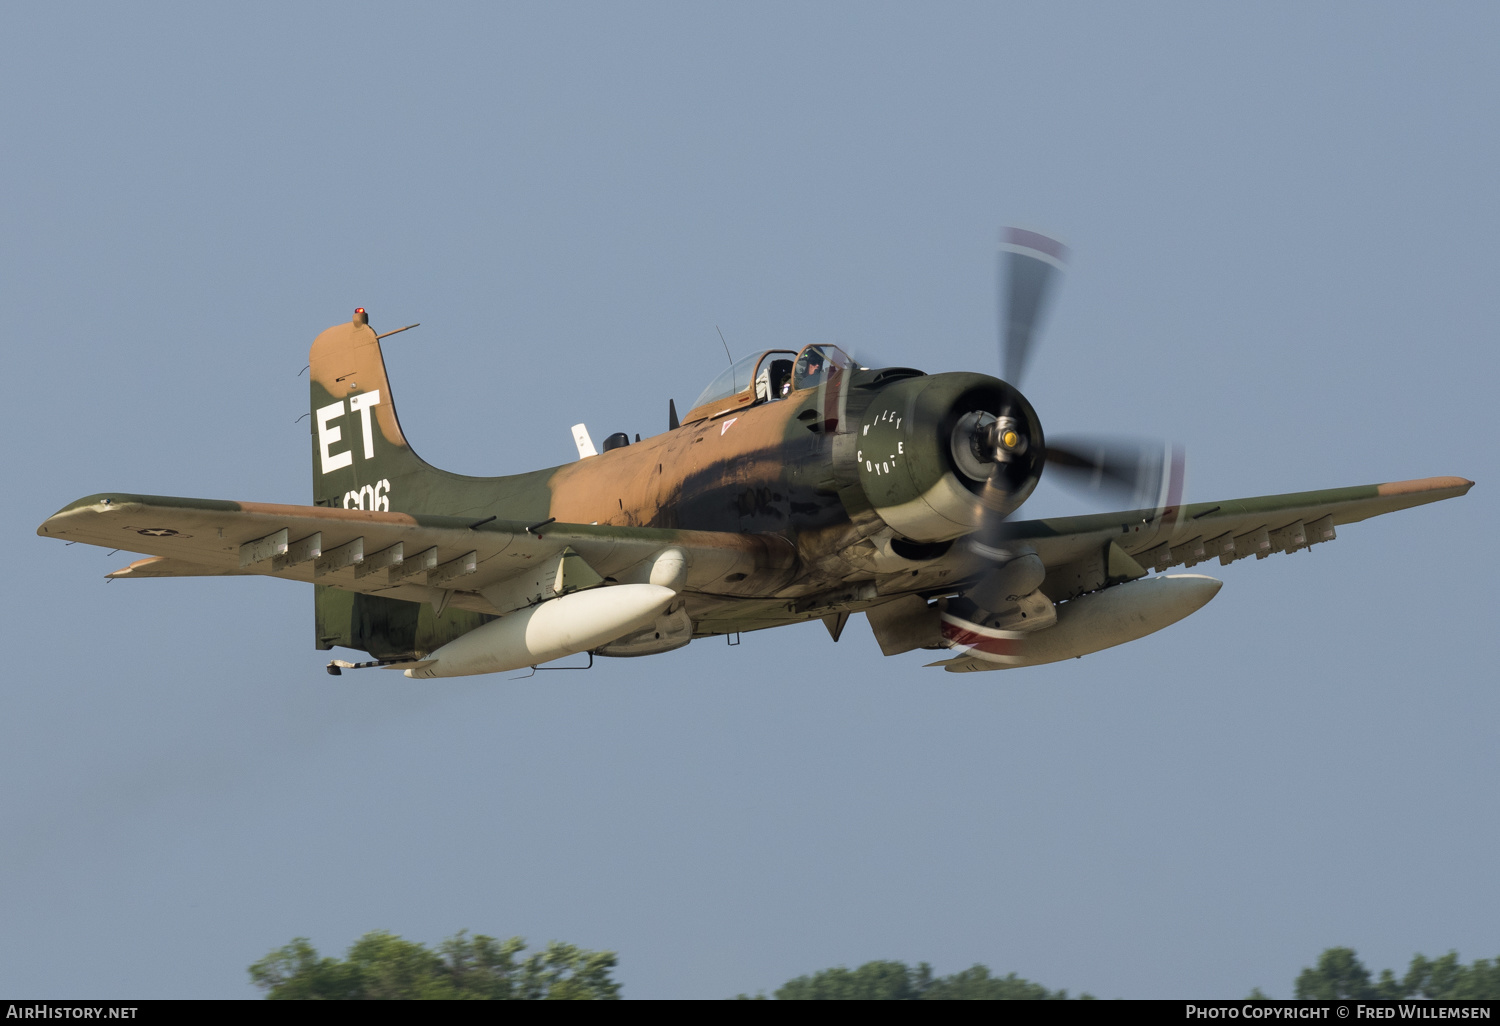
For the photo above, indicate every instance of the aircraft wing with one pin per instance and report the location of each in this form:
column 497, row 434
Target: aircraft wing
column 1074, row 547
column 418, row 558
column 1085, row 554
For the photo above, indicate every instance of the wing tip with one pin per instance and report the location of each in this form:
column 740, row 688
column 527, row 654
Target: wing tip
column 98, row 503
column 1456, row 485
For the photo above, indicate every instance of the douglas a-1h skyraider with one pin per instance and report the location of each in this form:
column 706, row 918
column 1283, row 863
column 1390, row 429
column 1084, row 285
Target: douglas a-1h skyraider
column 800, row 485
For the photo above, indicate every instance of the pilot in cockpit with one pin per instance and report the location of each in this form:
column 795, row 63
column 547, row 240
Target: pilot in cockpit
column 809, row 370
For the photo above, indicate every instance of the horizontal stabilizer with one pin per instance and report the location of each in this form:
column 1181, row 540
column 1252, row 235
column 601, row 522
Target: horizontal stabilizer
column 165, row 566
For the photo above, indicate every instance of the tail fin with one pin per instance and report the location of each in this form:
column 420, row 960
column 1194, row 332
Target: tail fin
column 361, row 461
column 360, row 458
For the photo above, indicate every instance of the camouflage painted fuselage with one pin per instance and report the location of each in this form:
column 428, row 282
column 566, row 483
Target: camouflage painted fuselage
column 782, row 470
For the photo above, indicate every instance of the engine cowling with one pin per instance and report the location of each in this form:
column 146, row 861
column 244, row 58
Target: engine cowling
column 926, row 446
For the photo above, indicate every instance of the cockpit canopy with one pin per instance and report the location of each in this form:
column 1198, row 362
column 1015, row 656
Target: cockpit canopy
column 776, row 373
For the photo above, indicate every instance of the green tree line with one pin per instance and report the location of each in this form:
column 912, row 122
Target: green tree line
column 1340, row 974
column 897, row 981
column 383, row 966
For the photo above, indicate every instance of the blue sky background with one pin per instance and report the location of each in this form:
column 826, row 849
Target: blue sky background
column 1284, row 225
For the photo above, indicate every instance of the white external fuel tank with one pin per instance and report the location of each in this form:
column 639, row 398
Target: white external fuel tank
column 559, row 627
column 1086, row 624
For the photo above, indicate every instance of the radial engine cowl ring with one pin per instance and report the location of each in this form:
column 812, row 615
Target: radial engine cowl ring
column 928, row 446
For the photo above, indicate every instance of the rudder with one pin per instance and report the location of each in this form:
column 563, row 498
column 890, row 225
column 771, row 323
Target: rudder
column 361, row 460
column 360, row 456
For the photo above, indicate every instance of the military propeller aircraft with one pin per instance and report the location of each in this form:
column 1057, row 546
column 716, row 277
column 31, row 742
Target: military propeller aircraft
column 800, row 485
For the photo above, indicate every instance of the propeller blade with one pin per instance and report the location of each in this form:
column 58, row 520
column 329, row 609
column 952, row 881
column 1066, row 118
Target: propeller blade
column 1030, row 265
column 1000, row 573
column 1005, row 579
column 1135, row 474
column 833, row 390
